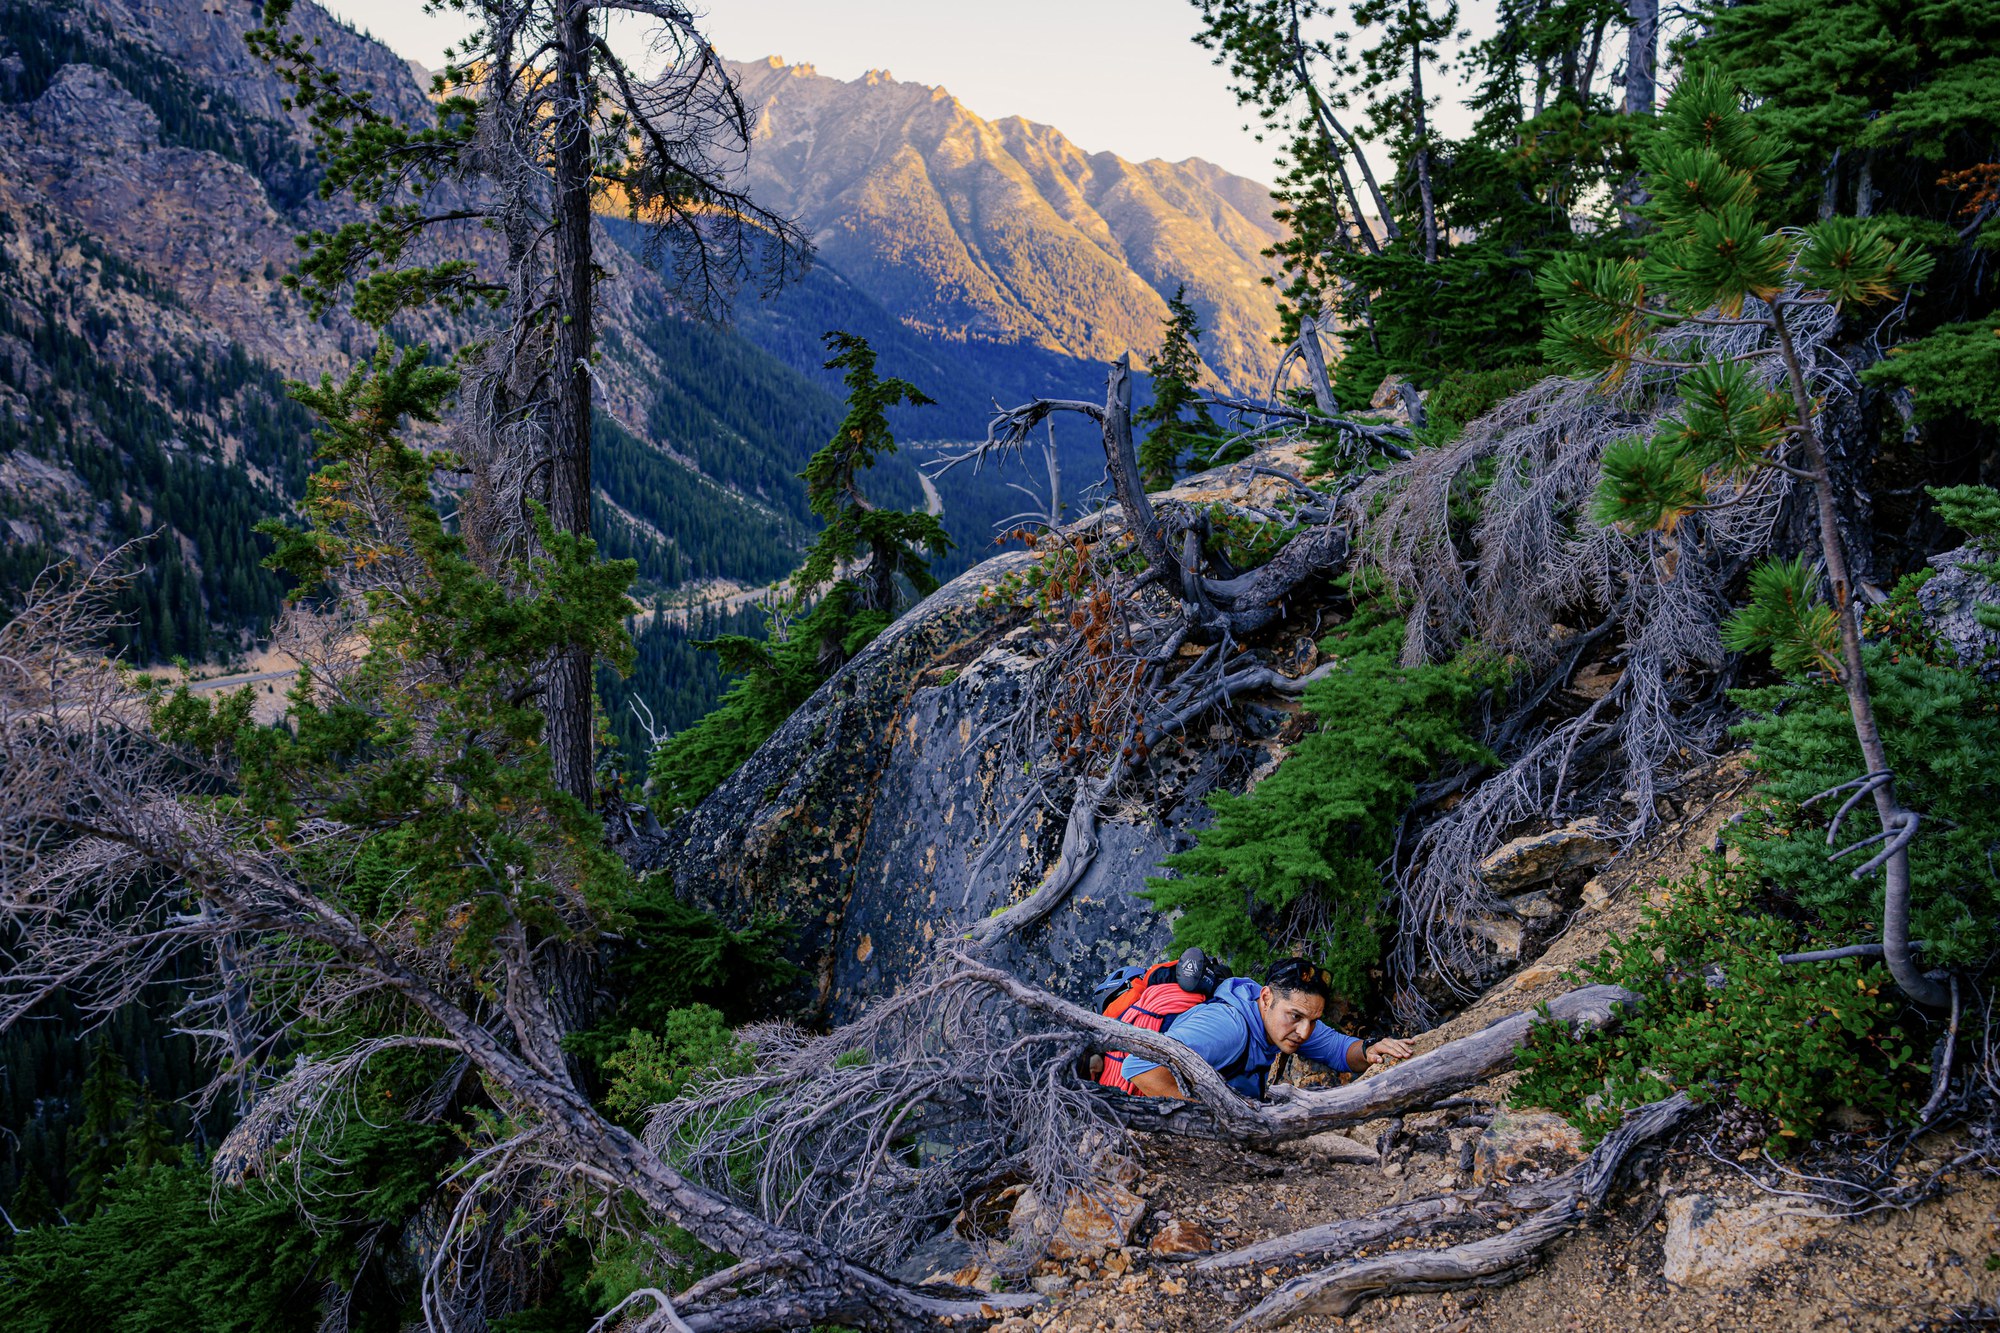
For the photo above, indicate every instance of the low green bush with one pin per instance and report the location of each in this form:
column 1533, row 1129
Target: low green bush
column 1325, row 820
column 693, row 1044
column 1719, row 1015
column 1942, row 729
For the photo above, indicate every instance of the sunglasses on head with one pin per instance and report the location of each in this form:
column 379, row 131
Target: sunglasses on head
column 1303, row 974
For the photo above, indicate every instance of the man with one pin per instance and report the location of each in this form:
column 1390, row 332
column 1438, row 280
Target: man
column 1244, row 1027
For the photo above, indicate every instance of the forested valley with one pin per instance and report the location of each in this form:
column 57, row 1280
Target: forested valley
column 738, row 703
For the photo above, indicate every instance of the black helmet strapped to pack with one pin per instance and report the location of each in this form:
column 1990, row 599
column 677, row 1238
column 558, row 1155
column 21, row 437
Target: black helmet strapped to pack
column 1199, row 973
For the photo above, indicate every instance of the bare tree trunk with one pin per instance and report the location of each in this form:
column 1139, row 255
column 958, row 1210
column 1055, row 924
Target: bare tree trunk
column 1423, row 161
column 1589, row 75
column 1123, row 462
column 1642, row 57
column 1055, row 477
column 1829, row 188
column 567, row 697
column 1641, row 88
column 1315, row 359
column 1898, row 824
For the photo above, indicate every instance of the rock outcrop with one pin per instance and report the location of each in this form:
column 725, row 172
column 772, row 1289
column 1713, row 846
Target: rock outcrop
column 889, row 813
column 1951, row 600
column 1724, row 1245
column 1523, row 863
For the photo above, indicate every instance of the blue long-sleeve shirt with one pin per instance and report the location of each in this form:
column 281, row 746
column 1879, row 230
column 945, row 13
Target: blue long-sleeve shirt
column 1219, row 1031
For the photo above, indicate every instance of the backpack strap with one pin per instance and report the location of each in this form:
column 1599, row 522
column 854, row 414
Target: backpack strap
column 1239, row 1063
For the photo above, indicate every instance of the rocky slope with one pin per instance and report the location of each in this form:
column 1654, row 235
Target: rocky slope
column 1687, row 1241
column 1005, row 231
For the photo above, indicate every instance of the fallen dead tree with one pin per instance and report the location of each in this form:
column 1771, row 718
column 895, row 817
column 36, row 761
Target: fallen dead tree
column 875, row 1135
column 1147, row 583
column 1649, row 605
column 1216, row 1111
column 1561, row 1204
column 117, row 868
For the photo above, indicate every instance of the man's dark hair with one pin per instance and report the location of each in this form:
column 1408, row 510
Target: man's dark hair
column 1295, row 975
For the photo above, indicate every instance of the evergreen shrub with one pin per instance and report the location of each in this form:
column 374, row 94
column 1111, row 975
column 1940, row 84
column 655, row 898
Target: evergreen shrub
column 693, row 1043
column 1719, row 1015
column 1942, row 728
column 1308, row 842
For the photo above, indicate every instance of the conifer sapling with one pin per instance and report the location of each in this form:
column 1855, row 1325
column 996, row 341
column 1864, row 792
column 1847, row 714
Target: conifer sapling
column 1176, row 372
column 1746, row 420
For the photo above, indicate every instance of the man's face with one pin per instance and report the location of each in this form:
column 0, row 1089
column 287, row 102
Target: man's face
column 1289, row 1017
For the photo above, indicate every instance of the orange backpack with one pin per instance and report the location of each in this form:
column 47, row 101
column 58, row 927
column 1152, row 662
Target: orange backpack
column 1152, row 998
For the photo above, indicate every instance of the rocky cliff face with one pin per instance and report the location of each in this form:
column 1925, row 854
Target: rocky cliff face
column 1005, row 231
column 890, row 812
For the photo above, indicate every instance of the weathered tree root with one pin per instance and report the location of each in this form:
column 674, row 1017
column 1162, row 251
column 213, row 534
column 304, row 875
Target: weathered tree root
column 1217, row 1112
column 1488, row 1261
column 1079, row 841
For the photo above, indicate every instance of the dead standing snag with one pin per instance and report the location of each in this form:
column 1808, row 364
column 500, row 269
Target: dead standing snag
column 1123, row 652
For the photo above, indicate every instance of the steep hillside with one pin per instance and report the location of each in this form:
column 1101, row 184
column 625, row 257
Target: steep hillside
column 151, row 183
column 1006, row 232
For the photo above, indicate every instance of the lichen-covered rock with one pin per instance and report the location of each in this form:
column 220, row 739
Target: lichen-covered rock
column 1332, row 1146
column 888, row 815
column 1180, row 1236
column 1524, row 1146
column 1951, row 598
column 1711, row 1244
column 1095, row 1220
column 1514, row 867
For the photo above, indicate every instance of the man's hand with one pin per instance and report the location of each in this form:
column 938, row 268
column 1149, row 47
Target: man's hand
column 1389, row 1048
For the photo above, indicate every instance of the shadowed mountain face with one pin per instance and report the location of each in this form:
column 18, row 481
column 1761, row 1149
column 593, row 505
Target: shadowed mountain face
column 1005, row 231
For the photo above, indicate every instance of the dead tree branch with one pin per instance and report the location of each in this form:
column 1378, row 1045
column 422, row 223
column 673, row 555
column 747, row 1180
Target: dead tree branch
column 1216, row 1111
column 1497, row 1258
column 115, row 868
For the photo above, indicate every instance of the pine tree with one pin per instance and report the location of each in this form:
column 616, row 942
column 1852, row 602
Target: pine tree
column 538, row 107
column 1713, row 253
column 98, row 1143
column 848, row 589
column 1448, row 285
column 883, row 548
column 1392, row 73
column 1176, row 372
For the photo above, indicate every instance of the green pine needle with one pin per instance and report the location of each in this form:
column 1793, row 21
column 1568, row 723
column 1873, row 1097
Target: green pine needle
column 1786, row 617
column 1647, row 485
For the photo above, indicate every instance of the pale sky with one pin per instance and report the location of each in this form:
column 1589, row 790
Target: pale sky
column 1122, row 76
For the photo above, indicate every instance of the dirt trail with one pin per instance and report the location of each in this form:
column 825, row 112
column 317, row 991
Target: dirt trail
column 1891, row 1271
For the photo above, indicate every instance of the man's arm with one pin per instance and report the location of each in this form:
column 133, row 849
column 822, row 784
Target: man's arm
column 1208, row 1033
column 1350, row 1055
column 1159, row 1081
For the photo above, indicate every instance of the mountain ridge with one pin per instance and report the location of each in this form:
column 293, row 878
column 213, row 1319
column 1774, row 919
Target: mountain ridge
column 1006, row 231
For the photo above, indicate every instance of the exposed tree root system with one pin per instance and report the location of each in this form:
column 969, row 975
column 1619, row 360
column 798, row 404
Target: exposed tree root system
column 1606, row 1274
